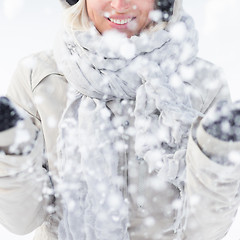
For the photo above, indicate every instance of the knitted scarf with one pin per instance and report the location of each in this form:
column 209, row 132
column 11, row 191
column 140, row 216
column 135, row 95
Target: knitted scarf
column 111, row 67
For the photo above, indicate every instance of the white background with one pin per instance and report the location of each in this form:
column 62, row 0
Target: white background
column 29, row 26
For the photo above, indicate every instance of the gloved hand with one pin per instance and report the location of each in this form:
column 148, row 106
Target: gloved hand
column 17, row 131
column 218, row 134
column 223, row 122
column 8, row 114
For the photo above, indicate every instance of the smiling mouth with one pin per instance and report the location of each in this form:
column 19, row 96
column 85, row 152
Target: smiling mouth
column 121, row 21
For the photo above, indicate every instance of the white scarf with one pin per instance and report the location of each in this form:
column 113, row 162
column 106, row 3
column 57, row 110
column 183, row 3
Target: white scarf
column 112, row 67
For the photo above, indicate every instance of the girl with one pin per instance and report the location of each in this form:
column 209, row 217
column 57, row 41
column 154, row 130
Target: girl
column 105, row 137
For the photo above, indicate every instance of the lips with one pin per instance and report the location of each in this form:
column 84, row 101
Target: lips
column 120, row 22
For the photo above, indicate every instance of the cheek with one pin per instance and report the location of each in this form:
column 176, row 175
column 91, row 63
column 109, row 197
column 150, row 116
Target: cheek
column 96, row 10
column 93, row 8
column 149, row 5
column 144, row 6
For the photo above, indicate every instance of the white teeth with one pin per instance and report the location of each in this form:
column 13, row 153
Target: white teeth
column 120, row 22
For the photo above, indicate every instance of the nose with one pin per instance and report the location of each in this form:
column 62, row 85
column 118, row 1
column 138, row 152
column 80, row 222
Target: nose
column 120, row 6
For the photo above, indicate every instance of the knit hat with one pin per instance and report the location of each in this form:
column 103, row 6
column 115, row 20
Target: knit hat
column 68, row 3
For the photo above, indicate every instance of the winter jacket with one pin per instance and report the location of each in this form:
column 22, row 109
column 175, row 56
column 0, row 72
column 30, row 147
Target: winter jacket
column 27, row 183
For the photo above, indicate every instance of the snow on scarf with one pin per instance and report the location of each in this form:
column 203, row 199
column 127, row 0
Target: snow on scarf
column 112, row 67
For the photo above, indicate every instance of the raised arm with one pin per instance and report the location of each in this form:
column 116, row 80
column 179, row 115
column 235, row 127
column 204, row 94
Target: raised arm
column 213, row 173
column 22, row 176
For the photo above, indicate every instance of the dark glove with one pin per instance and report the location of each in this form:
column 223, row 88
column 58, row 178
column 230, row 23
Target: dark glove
column 8, row 114
column 223, row 122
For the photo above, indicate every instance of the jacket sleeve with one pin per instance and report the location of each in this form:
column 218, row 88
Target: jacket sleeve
column 22, row 177
column 212, row 188
column 212, row 182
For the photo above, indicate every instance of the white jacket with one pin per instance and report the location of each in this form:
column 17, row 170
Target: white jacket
column 27, row 188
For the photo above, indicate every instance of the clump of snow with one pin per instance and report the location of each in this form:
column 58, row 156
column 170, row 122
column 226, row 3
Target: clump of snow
column 186, row 72
column 234, row 157
column 155, row 15
column 177, row 204
column 117, row 42
column 195, row 200
column 106, row 14
column 149, row 221
column 132, row 25
column 134, row 7
column 52, row 122
column 178, row 31
column 127, row 50
column 114, row 201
